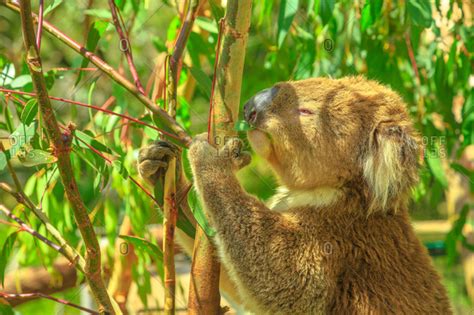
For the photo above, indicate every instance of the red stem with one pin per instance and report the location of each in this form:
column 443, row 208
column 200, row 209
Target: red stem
column 127, row 51
column 49, row 297
column 102, row 109
column 40, row 24
column 214, row 76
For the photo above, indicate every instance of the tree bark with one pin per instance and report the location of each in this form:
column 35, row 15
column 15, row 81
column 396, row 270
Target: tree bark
column 61, row 143
column 204, row 297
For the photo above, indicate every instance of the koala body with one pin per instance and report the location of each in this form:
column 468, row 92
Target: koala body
column 336, row 238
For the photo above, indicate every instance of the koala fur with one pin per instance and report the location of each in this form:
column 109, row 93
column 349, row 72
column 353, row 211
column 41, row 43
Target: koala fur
column 336, row 238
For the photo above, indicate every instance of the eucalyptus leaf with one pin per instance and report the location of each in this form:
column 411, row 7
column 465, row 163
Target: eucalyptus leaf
column 5, row 255
column 199, row 215
column 288, row 9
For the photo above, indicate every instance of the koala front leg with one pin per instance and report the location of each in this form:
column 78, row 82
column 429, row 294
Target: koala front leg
column 259, row 246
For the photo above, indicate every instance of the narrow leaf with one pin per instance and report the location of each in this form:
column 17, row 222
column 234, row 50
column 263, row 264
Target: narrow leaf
column 5, row 254
column 288, row 9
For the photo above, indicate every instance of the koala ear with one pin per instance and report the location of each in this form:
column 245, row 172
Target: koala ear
column 390, row 165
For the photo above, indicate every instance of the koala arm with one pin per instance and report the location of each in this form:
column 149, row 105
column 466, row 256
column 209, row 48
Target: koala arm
column 258, row 246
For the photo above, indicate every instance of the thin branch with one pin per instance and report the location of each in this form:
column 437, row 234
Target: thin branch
column 126, row 50
column 49, row 297
column 204, row 285
column 170, row 206
column 39, row 32
column 26, row 228
column 169, row 122
column 70, row 252
column 61, row 146
column 101, row 109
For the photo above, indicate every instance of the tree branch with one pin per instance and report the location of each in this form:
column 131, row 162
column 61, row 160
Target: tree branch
column 70, row 252
column 128, row 50
column 49, row 297
column 204, row 285
column 168, row 122
column 61, row 146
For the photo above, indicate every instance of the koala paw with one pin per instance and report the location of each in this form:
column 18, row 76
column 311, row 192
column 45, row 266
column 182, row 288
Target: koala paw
column 153, row 159
column 202, row 154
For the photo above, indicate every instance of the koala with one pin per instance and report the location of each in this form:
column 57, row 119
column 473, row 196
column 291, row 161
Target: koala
column 336, row 237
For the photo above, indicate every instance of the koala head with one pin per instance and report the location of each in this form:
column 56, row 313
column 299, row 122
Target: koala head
column 350, row 133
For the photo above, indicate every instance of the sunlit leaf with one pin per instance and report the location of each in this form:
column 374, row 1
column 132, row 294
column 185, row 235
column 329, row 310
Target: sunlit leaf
column 198, row 211
column 326, row 7
column 23, row 134
column 420, row 12
column 151, row 249
column 29, row 112
column 52, row 6
column 3, row 161
column 88, row 140
column 95, row 33
column 434, row 162
column 36, row 157
column 5, row 254
column 288, row 9
column 242, row 125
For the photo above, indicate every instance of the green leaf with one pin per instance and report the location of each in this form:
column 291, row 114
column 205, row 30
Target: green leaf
column 36, row 157
column 242, row 125
column 366, row 19
column 198, row 211
column 375, row 9
column 29, row 112
column 3, row 161
column 149, row 248
column 95, row 33
column 203, row 81
column 120, row 168
column 52, row 6
column 217, row 10
column 288, row 9
column 6, row 309
column 207, row 24
column 20, row 81
column 326, row 7
column 99, row 13
column 434, row 162
column 90, row 141
column 5, row 254
column 419, row 12
column 22, row 135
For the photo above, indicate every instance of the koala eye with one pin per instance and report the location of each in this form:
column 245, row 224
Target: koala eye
column 305, row 112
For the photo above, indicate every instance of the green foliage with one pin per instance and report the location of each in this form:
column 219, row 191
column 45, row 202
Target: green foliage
column 421, row 50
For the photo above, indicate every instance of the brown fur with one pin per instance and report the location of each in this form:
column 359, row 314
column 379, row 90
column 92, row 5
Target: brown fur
column 344, row 244
column 336, row 238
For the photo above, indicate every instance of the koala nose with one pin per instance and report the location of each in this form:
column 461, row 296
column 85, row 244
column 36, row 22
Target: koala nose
column 255, row 106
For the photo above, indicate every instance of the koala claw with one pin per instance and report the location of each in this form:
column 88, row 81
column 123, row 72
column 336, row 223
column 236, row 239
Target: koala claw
column 153, row 159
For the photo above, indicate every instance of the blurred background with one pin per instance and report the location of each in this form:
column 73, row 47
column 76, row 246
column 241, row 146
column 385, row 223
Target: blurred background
column 422, row 49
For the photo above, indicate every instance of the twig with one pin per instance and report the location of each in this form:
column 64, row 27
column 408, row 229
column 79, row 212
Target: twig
column 70, row 252
column 204, row 295
column 26, row 228
column 61, row 147
column 411, row 55
column 170, row 206
column 101, row 109
column 49, row 297
column 169, row 122
column 39, row 32
column 127, row 51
